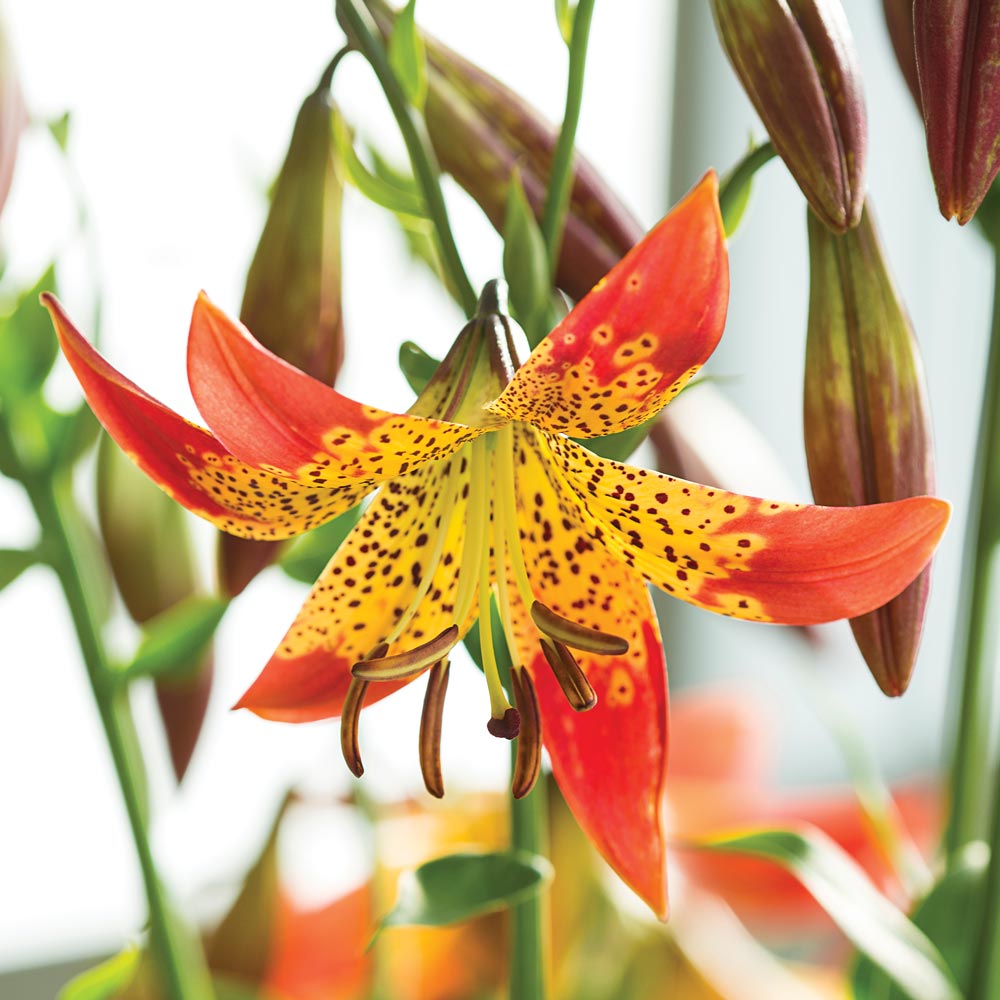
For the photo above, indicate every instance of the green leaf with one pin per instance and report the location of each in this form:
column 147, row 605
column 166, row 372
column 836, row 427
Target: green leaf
column 59, row 128
column 307, row 557
column 77, row 433
column 525, row 263
column 459, row 886
column 417, row 365
column 174, row 640
column 869, row 920
column 565, row 16
column 621, row 444
column 945, row 915
column 105, row 980
column 407, row 56
column 376, row 189
column 735, row 187
column 13, row 562
column 28, row 344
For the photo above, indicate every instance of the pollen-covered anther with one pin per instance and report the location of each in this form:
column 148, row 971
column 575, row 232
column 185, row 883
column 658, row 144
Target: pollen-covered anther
column 570, row 633
column 353, row 703
column 570, row 675
column 528, row 760
column 430, row 729
column 507, row 726
column 410, row 662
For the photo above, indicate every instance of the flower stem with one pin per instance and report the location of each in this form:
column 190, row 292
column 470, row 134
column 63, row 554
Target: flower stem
column 975, row 642
column 529, row 920
column 181, row 964
column 561, row 178
column 363, row 31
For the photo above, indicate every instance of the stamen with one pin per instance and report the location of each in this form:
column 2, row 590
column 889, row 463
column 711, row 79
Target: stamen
column 506, row 727
column 571, row 633
column 571, row 678
column 408, row 663
column 349, row 726
column 528, row 760
column 430, row 729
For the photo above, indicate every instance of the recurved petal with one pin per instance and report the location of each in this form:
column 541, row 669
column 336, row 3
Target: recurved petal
column 610, row 761
column 372, row 581
column 187, row 462
column 761, row 560
column 274, row 416
column 646, row 327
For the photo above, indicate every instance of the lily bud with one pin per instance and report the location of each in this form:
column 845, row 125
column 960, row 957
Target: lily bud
column 797, row 64
column 292, row 301
column 866, row 420
column 481, row 131
column 958, row 54
column 150, row 555
column 899, row 21
column 13, row 117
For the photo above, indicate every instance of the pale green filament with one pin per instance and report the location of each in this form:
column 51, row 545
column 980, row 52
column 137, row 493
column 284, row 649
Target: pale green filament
column 507, row 511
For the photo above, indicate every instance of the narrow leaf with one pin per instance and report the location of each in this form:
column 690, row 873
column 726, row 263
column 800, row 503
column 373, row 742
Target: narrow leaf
column 59, row 129
column 175, row 639
column 408, row 57
column 868, row 919
column 28, row 345
column 305, row 559
column 105, row 980
column 459, row 886
column 565, row 16
column 417, row 365
column 13, row 562
column 525, row 263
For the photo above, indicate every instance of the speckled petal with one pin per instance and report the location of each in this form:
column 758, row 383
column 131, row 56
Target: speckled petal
column 276, row 417
column 634, row 341
column 795, row 564
column 610, row 761
column 187, row 462
column 362, row 593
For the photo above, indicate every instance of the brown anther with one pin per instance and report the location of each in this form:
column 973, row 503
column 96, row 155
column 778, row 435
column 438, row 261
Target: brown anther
column 349, row 726
column 570, row 633
column 528, row 760
column 507, row 727
column 408, row 663
column 430, row 729
column 570, row 676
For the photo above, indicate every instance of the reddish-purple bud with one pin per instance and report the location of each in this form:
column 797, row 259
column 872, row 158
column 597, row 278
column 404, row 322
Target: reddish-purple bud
column 797, row 64
column 866, row 420
column 899, row 21
column 958, row 60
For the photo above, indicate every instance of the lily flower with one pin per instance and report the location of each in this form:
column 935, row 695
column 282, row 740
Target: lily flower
column 484, row 495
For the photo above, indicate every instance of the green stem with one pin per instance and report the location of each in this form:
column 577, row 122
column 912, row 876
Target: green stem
column 529, row 920
column 182, row 975
column 975, row 643
column 561, row 178
column 363, row 31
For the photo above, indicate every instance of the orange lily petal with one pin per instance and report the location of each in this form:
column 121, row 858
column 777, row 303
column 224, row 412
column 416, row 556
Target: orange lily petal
column 610, row 761
column 276, row 417
column 634, row 341
column 364, row 590
column 187, row 462
column 796, row 564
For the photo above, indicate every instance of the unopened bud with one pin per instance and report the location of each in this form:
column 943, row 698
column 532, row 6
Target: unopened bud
column 13, row 117
column 899, row 21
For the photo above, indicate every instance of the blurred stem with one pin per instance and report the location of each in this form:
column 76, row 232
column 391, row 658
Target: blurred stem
column 975, row 647
column 364, row 32
column 529, row 920
column 972, row 765
column 182, row 977
column 561, row 179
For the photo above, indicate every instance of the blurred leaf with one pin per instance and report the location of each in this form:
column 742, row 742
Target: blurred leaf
column 868, row 919
column 408, row 57
column 13, row 562
column 77, row 432
column 376, row 189
column 621, row 444
column 458, row 886
column 736, row 186
column 417, row 365
column 28, row 344
column 174, row 640
column 307, row 557
column 945, row 915
column 105, row 980
column 59, row 128
column 565, row 16
column 525, row 263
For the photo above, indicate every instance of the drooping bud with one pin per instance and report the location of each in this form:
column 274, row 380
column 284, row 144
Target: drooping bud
column 958, row 60
column 481, row 131
column 866, row 419
column 145, row 536
column 899, row 21
column 13, row 117
column 797, row 63
column 292, row 301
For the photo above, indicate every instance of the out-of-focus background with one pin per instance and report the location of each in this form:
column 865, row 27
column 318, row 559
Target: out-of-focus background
column 179, row 118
